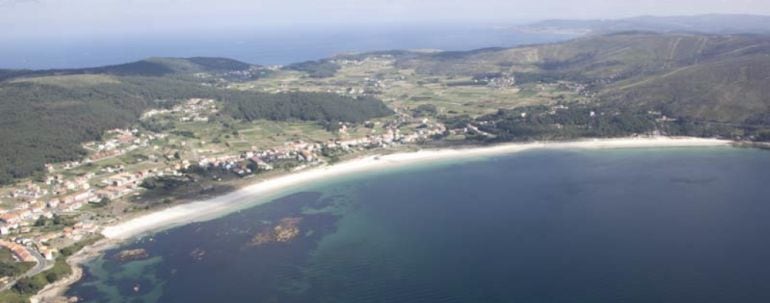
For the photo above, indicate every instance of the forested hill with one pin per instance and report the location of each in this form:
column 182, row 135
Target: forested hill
column 147, row 67
column 45, row 119
column 696, row 84
column 696, row 77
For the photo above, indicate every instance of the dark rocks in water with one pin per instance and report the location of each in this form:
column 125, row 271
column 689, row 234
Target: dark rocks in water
column 261, row 238
column 197, row 254
column 285, row 231
column 132, row 255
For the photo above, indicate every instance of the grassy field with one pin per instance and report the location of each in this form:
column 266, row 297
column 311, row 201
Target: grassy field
column 407, row 89
column 70, row 80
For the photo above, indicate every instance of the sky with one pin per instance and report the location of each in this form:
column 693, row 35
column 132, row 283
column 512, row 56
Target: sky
column 36, row 19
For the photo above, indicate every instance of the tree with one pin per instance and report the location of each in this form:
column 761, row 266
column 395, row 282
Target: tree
column 57, row 220
column 51, row 277
column 41, row 221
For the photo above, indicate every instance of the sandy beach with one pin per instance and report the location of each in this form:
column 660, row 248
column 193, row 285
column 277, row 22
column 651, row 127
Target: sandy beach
column 262, row 191
column 265, row 190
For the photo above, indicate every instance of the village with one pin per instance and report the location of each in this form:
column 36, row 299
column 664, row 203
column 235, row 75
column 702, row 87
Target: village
column 42, row 215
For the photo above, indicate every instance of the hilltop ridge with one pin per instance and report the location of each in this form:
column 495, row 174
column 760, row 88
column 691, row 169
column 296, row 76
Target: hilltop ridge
column 151, row 67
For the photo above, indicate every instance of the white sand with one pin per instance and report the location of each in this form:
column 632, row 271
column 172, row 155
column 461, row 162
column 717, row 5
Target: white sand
column 262, row 191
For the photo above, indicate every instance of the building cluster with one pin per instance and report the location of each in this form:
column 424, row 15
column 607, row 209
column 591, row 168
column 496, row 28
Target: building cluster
column 381, row 61
column 496, row 80
column 192, row 110
column 27, row 192
column 20, row 253
column 24, row 215
column 251, row 73
column 121, row 141
column 310, row 153
column 69, row 195
column 121, row 184
column 61, row 185
column 250, row 162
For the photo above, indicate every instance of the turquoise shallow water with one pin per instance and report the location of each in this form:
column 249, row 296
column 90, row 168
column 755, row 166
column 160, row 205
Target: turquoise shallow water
column 641, row 225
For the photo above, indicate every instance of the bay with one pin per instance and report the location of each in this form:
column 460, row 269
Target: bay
column 635, row 225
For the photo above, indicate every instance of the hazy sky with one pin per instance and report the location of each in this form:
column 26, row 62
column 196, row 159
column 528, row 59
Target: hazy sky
column 70, row 18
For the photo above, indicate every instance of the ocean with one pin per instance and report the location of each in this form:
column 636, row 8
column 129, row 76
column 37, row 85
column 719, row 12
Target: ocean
column 263, row 46
column 626, row 225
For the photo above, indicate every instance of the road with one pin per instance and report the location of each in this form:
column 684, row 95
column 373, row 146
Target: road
column 41, row 265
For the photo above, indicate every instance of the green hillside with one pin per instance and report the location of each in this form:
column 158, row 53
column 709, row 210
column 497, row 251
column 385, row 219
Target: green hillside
column 608, row 57
column 700, row 77
column 635, row 82
column 45, row 119
column 731, row 90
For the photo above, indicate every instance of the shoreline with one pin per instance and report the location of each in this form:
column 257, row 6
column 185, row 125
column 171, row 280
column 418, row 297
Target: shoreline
column 54, row 292
column 263, row 191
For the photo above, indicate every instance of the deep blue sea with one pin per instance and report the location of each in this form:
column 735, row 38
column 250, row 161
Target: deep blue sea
column 259, row 46
column 637, row 225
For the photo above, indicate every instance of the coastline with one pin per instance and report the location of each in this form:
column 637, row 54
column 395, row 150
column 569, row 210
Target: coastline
column 54, row 292
column 262, row 191
column 221, row 205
